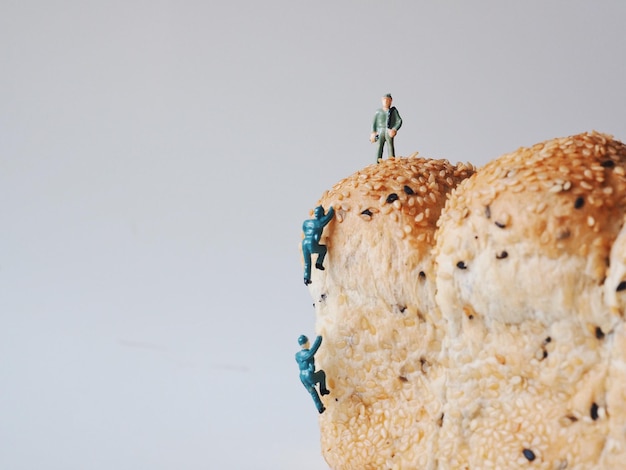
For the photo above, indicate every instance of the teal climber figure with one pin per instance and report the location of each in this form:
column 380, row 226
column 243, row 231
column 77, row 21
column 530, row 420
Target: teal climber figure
column 387, row 122
column 313, row 229
column 309, row 377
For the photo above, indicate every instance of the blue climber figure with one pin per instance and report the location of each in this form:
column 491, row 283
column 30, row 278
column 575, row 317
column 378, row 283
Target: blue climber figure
column 308, row 375
column 313, row 229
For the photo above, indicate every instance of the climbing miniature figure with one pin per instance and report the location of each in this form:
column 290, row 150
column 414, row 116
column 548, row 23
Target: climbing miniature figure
column 309, row 377
column 313, row 229
column 387, row 122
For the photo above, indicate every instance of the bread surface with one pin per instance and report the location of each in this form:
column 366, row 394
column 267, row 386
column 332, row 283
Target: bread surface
column 474, row 318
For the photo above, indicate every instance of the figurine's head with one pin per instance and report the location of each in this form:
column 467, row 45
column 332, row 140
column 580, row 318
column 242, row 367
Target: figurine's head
column 387, row 99
column 303, row 340
column 319, row 212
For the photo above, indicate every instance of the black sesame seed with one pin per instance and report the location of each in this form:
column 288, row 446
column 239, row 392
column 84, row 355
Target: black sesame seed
column 579, row 202
column 548, row 339
column 392, row 197
column 502, row 255
column 422, row 275
column 461, row 265
column 621, row 286
column 408, row 190
column 529, row 454
column 599, row 333
column 488, row 212
column 471, row 317
column 545, row 353
column 608, row 163
column 367, row 212
column 500, row 224
column 594, row 411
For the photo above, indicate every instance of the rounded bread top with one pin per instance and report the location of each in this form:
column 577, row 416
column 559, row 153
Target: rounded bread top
column 406, row 193
column 529, row 235
column 566, row 194
column 380, row 241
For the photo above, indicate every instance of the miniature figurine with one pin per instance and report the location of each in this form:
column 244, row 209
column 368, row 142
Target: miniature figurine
column 387, row 122
column 308, row 375
column 312, row 229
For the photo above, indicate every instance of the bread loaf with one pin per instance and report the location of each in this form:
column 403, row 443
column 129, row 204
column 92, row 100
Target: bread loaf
column 474, row 319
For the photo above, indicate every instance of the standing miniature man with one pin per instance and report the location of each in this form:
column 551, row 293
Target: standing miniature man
column 313, row 229
column 308, row 376
column 386, row 123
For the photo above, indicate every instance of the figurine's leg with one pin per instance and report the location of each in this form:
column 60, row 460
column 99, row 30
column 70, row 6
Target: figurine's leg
column 381, row 145
column 306, row 253
column 321, row 250
column 391, row 149
column 316, row 400
column 320, row 378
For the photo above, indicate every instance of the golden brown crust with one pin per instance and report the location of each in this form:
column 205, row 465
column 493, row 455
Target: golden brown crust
column 386, row 216
column 566, row 193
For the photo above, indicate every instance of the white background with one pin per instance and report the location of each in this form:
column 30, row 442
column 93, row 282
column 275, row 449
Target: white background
column 157, row 159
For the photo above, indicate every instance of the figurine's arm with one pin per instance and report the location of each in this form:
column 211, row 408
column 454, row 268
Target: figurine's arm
column 329, row 215
column 316, row 345
column 374, row 133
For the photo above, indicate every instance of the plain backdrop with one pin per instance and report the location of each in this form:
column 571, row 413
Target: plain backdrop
column 157, row 159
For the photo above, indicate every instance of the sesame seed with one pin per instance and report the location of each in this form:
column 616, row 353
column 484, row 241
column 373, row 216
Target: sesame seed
column 502, row 255
column 391, row 198
column 594, row 411
column 461, row 265
column 529, row 454
column 599, row 333
column 580, row 201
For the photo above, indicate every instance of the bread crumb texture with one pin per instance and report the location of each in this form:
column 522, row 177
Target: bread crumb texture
column 474, row 319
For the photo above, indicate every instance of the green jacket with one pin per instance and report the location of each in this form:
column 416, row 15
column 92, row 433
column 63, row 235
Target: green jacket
column 386, row 120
